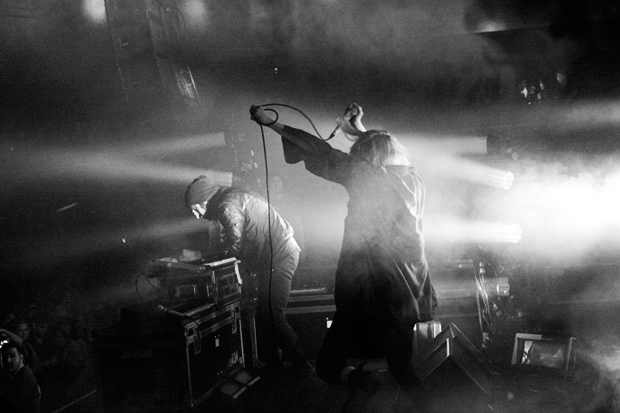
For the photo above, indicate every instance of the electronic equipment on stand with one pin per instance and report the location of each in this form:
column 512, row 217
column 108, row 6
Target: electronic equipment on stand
column 217, row 282
column 174, row 353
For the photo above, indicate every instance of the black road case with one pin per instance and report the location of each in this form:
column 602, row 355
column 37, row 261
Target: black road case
column 155, row 361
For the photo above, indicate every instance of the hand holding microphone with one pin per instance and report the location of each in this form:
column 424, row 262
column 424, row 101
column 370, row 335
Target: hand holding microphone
column 350, row 121
column 259, row 115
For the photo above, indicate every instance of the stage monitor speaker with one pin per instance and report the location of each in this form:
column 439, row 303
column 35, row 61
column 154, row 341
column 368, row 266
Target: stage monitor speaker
column 536, row 350
column 423, row 334
column 451, row 350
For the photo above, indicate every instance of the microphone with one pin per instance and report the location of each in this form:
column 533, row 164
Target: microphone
column 170, row 312
column 346, row 117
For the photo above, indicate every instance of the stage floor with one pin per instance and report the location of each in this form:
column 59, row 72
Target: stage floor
column 448, row 390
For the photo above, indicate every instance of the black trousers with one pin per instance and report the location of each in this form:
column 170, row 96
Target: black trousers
column 358, row 336
column 273, row 294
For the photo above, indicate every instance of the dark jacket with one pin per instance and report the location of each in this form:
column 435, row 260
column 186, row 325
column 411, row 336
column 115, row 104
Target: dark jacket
column 382, row 270
column 21, row 393
column 245, row 227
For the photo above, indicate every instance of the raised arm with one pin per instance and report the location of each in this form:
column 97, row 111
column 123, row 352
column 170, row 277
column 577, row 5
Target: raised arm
column 260, row 116
column 318, row 155
column 351, row 125
column 12, row 336
column 354, row 126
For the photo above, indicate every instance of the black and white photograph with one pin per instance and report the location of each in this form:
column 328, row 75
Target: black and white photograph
column 309, row 206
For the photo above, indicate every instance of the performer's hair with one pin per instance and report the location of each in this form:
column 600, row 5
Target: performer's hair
column 379, row 148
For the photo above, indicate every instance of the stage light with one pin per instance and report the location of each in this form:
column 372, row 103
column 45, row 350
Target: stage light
column 509, row 178
column 195, row 14
column 563, row 215
column 501, row 179
column 94, row 10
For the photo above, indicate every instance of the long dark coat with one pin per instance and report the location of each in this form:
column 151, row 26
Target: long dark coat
column 382, row 270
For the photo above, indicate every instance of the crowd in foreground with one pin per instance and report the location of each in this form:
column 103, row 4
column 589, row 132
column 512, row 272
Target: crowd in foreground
column 47, row 356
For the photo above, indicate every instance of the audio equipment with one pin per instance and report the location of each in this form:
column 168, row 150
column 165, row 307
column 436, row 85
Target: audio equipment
column 216, row 282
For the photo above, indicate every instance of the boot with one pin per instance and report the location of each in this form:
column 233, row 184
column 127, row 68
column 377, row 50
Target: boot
column 366, row 381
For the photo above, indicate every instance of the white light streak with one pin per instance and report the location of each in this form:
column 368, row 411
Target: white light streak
column 114, row 166
column 57, row 165
column 444, row 144
column 456, row 168
column 186, row 144
column 586, row 115
column 453, row 229
column 443, row 155
column 63, row 247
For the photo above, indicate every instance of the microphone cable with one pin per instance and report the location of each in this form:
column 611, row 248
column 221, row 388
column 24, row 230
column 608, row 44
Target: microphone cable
column 262, row 129
column 273, row 330
column 295, row 109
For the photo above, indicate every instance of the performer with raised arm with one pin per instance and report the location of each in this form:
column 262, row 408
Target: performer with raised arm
column 383, row 285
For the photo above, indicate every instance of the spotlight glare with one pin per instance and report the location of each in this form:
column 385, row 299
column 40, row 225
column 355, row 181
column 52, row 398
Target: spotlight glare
column 196, row 14
column 94, row 10
column 509, row 178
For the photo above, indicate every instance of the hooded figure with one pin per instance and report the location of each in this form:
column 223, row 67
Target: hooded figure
column 253, row 232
